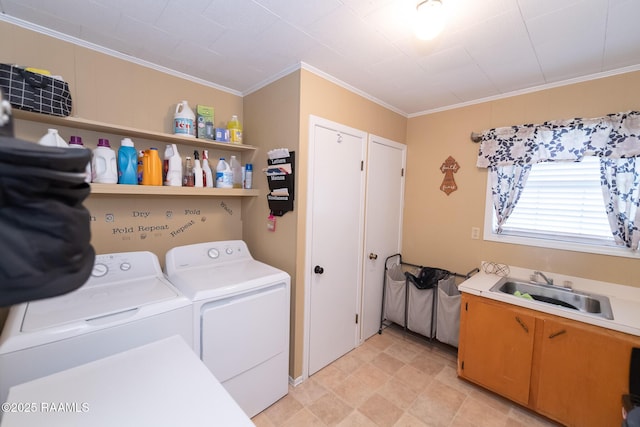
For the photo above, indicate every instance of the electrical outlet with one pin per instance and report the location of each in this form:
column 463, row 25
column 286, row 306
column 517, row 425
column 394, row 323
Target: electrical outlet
column 475, row 233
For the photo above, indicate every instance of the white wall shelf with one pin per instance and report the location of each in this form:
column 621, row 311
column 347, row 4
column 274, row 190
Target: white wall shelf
column 151, row 190
column 145, row 190
column 92, row 125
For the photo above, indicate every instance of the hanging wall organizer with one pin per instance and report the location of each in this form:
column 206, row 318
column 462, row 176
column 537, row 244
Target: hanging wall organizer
column 280, row 175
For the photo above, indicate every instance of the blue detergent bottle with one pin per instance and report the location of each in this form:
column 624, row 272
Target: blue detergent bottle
column 127, row 163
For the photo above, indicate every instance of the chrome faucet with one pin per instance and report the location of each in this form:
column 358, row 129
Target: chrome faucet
column 546, row 279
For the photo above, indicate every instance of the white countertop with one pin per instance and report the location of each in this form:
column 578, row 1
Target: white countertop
column 625, row 300
column 162, row 384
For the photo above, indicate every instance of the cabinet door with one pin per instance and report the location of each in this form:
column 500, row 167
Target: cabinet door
column 584, row 371
column 496, row 347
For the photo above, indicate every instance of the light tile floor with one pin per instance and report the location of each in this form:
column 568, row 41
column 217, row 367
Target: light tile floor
column 394, row 379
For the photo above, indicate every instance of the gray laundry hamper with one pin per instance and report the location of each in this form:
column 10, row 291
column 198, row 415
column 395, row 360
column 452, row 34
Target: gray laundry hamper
column 448, row 312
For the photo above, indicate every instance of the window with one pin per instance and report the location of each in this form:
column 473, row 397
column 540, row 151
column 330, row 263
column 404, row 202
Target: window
column 560, row 207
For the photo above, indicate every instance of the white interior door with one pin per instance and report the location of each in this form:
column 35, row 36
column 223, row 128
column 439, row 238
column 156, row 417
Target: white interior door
column 383, row 230
column 335, row 231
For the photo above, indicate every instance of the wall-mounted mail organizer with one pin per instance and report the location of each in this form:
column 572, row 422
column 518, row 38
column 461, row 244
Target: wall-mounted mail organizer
column 281, row 175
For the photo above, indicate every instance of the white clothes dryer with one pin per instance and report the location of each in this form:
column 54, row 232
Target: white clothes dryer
column 241, row 318
column 126, row 302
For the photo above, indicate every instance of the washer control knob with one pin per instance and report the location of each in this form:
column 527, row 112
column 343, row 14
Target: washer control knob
column 125, row 266
column 99, row 270
column 229, row 251
column 213, row 253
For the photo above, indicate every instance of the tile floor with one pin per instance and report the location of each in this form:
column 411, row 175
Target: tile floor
column 394, row 379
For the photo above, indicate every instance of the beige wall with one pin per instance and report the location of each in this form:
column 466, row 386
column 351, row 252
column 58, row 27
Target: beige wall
column 111, row 90
column 437, row 227
column 272, row 120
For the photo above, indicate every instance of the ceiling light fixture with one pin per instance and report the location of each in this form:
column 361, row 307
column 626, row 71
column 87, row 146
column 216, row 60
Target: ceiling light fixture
column 429, row 19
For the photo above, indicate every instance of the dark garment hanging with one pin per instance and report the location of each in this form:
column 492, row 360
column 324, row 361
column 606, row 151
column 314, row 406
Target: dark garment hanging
column 45, row 233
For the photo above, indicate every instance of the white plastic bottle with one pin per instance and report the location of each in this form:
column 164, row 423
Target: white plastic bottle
column 52, row 139
column 172, row 166
column 236, row 170
column 76, row 142
column 224, row 177
column 103, row 165
column 248, row 176
column 184, row 120
column 197, row 170
column 206, row 169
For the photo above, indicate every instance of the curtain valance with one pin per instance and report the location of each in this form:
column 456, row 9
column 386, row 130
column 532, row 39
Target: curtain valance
column 613, row 136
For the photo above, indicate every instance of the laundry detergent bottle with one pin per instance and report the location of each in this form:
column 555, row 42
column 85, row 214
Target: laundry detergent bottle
column 127, row 163
column 151, row 167
column 103, row 165
column 76, row 142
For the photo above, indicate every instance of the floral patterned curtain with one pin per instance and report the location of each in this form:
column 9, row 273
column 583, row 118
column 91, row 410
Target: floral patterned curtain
column 508, row 152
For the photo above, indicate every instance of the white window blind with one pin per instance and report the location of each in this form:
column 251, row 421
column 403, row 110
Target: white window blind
column 562, row 201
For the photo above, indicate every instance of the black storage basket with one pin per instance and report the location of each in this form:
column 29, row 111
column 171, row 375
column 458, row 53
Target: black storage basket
column 35, row 92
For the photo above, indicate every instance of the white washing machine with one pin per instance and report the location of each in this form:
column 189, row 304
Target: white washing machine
column 241, row 318
column 127, row 302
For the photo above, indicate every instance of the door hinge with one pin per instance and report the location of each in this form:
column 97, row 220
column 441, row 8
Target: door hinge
column 356, row 318
column 462, row 365
column 361, row 165
column 402, row 172
column 466, row 306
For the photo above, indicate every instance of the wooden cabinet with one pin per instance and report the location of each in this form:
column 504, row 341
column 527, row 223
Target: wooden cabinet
column 569, row 371
column 582, row 373
column 499, row 345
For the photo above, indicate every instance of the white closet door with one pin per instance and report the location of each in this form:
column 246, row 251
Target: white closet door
column 335, row 232
column 383, row 230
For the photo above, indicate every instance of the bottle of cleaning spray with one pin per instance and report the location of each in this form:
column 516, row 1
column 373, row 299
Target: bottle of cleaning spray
column 197, row 170
column 206, row 170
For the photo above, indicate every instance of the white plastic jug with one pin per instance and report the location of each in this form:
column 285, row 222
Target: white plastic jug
column 172, row 166
column 76, row 142
column 224, row 177
column 52, row 139
column 236, row 171
column 184, row 120
column 103, row 165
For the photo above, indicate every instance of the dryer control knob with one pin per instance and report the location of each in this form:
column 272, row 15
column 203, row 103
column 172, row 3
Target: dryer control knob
column 99, row 270
column 229, row 251
column 213, row 253
column 125, row 266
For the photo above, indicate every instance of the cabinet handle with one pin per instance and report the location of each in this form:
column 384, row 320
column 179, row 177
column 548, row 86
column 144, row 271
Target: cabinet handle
column 555, row 334
column 526, row 329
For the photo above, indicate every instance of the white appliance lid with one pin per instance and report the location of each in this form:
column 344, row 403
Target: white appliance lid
column 224, row 279
column 162, row 384
column 95, row 301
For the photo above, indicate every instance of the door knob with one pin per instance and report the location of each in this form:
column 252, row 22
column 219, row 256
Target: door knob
column 318, row 269
column 373, row 256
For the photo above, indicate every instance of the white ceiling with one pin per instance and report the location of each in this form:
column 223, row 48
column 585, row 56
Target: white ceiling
column 489, row 48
